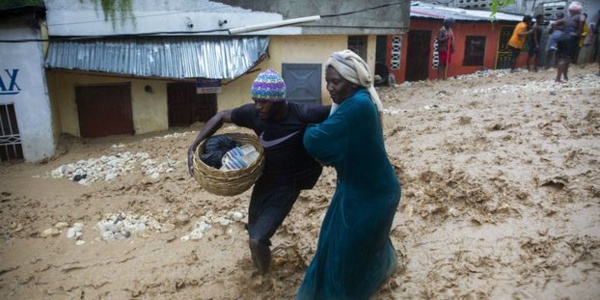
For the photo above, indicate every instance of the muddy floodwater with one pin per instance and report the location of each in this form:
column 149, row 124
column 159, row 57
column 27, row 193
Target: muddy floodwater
column 500, row 182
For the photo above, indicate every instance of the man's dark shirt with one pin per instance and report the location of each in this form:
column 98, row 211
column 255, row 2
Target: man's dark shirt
column 286, row 160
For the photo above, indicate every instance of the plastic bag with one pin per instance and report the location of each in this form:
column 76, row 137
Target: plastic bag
column 239, row 158
column 215, row 148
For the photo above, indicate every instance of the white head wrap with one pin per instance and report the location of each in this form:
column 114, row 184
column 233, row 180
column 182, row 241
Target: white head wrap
column 575, row 7
column 354, row 69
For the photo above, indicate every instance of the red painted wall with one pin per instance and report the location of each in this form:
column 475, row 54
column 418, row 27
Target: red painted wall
column 461, row 30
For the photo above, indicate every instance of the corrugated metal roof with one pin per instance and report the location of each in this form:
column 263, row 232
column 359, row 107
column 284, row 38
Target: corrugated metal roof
column 161, row 56
column 430, row 11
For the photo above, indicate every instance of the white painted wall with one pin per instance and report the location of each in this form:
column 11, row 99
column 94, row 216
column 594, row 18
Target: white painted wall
column 29, row 95
column 80, row 18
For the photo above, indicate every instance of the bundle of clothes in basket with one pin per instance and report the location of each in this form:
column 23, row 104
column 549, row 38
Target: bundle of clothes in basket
column 224, row 153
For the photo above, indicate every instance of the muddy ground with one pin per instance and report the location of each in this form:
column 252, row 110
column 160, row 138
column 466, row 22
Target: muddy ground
column 500, row 200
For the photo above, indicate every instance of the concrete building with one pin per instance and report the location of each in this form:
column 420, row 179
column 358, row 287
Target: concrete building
column 161, row 64
column 26, row 119
column 551, row 9
column 479, row 42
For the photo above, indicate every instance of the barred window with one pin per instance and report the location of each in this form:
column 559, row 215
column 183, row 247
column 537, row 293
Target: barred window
column 474, row 51
column 10, row 137
column 358, row 45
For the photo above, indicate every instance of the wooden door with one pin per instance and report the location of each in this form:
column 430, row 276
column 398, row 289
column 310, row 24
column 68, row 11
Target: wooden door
column 418, row 52
column 504, row 55
column 185, row 106
column 104, row 110
column 417, row 55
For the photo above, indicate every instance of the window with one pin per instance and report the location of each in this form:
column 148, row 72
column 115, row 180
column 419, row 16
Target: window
column 396, row 52
column 358, row 45
column 474, row 51
column 10, row 137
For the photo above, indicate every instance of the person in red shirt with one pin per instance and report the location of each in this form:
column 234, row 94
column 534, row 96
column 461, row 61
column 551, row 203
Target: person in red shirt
column 446, row 47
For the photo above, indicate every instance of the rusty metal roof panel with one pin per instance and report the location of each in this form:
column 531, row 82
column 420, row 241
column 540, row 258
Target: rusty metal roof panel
column 160, row 56
column 430, row 11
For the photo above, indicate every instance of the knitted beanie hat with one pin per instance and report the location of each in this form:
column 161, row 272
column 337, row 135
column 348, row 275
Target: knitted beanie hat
column 268, row 86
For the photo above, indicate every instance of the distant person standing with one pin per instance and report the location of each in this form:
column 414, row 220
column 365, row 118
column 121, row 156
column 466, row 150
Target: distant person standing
column 567, row 44
column 445, row 47
column 584, row 33
column 517, row 40
column 586, row 53
column 534, row 43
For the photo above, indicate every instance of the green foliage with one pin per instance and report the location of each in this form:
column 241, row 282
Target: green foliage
column 11, row 4
column 114, row 10
column 497, row 4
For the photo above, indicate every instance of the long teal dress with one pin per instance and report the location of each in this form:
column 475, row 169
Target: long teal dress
column 354, row 253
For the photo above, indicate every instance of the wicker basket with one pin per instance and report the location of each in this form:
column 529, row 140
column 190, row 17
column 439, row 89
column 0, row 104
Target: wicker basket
column 232, row 182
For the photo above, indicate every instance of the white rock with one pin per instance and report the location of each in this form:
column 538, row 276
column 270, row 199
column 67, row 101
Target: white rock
column 196, row 234
column 61, row 225
column 110, row 176
column 203, row 226
column 237, row 216
column 224, row 222
column 71, row 233
column 50, row 232
column 108, row 235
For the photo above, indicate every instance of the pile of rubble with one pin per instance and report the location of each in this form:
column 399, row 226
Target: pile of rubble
column 110, row 167
column 121, row 226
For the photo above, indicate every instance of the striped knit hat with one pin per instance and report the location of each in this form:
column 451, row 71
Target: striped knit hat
column 268, row 86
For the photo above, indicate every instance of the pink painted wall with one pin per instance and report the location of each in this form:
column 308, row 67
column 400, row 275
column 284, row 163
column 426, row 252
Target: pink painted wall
column 490, row 30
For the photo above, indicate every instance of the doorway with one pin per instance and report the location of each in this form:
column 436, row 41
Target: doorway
column 104, row 110
column 185, row 106
column 504, row 55
column 418, row 54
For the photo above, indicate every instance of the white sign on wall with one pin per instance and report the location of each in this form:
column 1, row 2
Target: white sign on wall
column 208, row 86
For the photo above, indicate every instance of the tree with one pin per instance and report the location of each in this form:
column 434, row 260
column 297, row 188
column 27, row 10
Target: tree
column 497, row 4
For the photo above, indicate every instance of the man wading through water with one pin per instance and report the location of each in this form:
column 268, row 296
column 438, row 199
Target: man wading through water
column 280, row 126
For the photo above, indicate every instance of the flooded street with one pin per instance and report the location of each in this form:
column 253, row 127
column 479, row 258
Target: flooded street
column 500, row 200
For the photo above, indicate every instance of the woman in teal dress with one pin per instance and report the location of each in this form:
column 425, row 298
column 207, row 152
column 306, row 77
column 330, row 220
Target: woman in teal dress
column 354, row 254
